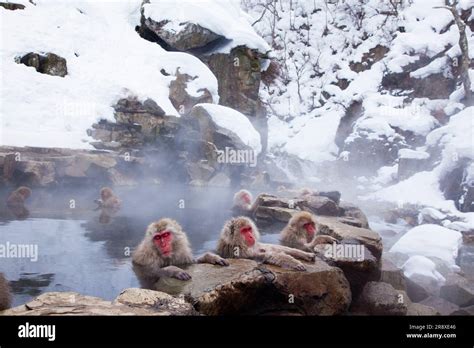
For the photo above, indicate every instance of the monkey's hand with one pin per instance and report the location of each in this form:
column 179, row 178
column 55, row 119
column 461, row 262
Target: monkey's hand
column 285, row 261
column 176, row 272
column 212, row 259
column 323, row 239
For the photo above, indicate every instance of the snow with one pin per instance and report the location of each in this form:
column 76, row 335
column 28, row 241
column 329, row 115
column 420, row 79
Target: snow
column 106, row 61
column 420, row 265
column 412, row 154
column 223, row 17
column 236, row 122
column 430, row 241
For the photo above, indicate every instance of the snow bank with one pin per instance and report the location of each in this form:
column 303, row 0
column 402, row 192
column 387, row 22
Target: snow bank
column 420, row 265
column 430, row 241
column 223, row 17
column 106, row 60
column 236, row 122
column 413, row 154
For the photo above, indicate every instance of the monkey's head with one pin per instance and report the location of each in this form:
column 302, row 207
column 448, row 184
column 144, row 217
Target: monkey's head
column 243, row 198
column 304, row 225
column 241, row 231
column 164, row 234
column 106, row 193
column 24, row 191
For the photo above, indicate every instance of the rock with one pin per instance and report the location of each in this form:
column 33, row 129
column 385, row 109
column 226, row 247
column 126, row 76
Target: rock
column 143, row 298
column 354, row 259
column 320, row 205
column 246, row 287
column 330, row 226
column 458, row 290
column 458, row 185
column 431, row 216
column 220, row 180
column 35, row 173
column 183, row 36
column 464, row 311
column 200, row 171
column 392, row 275
column 353, row 215
column 273, row 214
column 180, row 98
column 415, row 291
column 418, row 309
column 48, row 63
column 5, row 293
column 71, row 303
column 380, row 298
column 369, row 58
column 411, row 162
column 12, row 6
column 468, row 237
column 442, row 306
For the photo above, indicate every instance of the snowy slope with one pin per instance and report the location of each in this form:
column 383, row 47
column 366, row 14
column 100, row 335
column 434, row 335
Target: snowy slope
column 106, row 60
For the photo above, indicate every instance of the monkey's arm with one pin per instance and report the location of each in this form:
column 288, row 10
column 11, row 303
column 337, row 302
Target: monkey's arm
column 299, row 254
column 213, row 259
column 279, row 259
column 174, row 272
column 155, row 272
column 321, row 239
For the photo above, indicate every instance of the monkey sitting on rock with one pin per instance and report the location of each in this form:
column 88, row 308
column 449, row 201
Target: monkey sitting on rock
column 301, row 233
column 239, row 239
column 164, row 249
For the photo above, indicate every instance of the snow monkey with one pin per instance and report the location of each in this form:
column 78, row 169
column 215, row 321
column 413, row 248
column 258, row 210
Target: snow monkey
column 108, row 200
column 301, row 233
column 239, row 239
column 164, row 248
column 243, row 202
column 5, row 295
column 16, row 201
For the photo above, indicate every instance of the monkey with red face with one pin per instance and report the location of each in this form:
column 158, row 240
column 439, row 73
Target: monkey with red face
column 243, row 203
column 301, row 233
column 163, row 250
column 109, row 204
column 16, row 202
column 239, row 239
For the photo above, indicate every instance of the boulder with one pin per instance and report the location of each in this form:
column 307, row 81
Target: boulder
column 332, row 227
column 417, row 292
column 458, row 185
column 12, row 6
column 392, row 275
column 464, row 311
column 246, row 287
column 418, row 309
column 181, row 99
column 411, row 162
column 48, row 63
column 35, row 173
column 380, row 298
column 320, row 205
column 130, row 302
column 458, row 290
column 354, row 259
column 442, row 306
column 352, row 215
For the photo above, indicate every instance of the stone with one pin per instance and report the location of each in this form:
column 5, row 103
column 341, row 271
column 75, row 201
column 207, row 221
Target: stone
column 35, row 173
column 48, row 63
column 392, row 275
column 353, row 215
column 464, row 311
column 12, row 6
column 246, row 287
column 181, row 99
column 380, row 298
column 416, row 292
column 441, row 305
column 458, row 290
column 332, row 227
column 72, row 303
column 417, row 309
column 320, row 205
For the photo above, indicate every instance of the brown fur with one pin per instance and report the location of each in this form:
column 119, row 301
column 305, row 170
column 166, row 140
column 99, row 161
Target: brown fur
column 108, row 200
column 17, row 198
column 231, row 244
column 150, row 264
column 295, row 236
column 5, row 294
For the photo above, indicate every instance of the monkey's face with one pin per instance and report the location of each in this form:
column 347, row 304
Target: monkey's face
column 308, row 227
column 163, row 242
column 245, row 198
column 25, row 192
column 106, row 193
column 246, row 232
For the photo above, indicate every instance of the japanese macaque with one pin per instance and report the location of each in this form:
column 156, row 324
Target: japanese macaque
column 165, row 248
column 243, row 202
column 239, row 239
column 5, row 294
column 16, row 202
column 109, row 204
column 301, row 233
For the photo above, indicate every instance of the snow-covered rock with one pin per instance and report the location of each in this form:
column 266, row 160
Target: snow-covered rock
column 422, row 266
column 430, row 241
